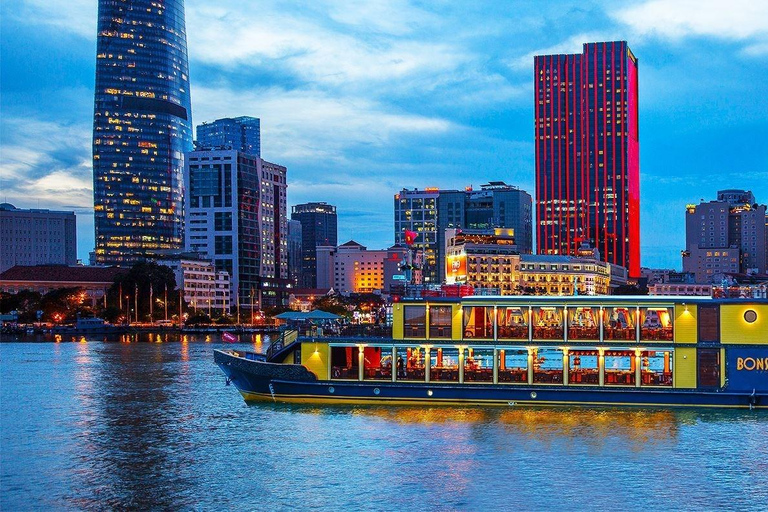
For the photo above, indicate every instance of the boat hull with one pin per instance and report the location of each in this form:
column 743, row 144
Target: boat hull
column 262, row 381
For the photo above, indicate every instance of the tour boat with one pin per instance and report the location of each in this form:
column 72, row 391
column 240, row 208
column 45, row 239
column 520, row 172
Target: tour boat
column 651, row 351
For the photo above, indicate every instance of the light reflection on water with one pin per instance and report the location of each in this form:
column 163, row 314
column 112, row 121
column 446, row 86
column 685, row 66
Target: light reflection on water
column 151, row 425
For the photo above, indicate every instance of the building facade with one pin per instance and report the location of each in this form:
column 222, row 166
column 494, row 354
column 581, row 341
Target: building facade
column 353, row 268
column 205, row 289
column 142, row 127
column 36, row 237
column 495, row 205
column 294, row 251
column 587, row 153
column 319, row 227
column 727, row 235
column 490, row 263
column 236, row 217
column 240, row 133
column 431, row 211
column 416, row 211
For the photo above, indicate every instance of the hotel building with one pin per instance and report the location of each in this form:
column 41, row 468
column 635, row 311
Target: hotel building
column 36, row 237
column 204, row 288
column 587, row 153
column 141, row 129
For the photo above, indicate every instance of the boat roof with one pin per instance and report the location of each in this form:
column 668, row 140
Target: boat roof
column 584, row 299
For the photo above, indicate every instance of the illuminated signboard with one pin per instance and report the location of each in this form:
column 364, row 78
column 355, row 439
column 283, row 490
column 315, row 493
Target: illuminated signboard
column 456, row 269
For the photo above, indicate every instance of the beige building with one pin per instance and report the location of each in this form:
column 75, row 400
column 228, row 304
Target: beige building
column 353, row 268
column 205, row 289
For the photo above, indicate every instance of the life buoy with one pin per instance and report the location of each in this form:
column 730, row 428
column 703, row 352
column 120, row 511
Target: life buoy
column 336, row 373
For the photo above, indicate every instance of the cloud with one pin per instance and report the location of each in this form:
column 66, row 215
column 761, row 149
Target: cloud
column 313, row 124
column 45, row 161
column 735, row 19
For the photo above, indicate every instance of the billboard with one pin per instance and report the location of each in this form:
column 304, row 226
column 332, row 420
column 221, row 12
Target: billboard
column 456, row 269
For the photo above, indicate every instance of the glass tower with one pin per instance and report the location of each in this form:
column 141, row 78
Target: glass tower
column 587, row 153
column 240, row 133
column 141, row 129
column 318, row 228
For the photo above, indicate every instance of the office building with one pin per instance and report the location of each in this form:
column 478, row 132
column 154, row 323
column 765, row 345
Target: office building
column 294, row 251
column 236, row 217
column 36, row 237
column 416, row 211
column 240, row 133
column 429, row 212
column 587, row 153
column 353, row 268
column 318, row 228
column 725, row 236
column 141, row 129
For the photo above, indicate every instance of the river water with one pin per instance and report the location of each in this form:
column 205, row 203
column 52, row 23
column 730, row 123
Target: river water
column 97, row 425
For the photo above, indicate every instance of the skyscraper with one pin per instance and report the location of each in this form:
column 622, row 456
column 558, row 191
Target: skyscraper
column 587, row 153
column 141, row 129
column 318, row 227
column 237, row 217
column 240, row 133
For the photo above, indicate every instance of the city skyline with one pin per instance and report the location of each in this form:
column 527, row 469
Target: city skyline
column 362, row 101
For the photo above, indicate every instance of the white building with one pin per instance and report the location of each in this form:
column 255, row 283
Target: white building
column 205, row 289
column 352, row 268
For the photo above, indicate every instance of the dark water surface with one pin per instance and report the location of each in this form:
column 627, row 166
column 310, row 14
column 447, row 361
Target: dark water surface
column 151, row 425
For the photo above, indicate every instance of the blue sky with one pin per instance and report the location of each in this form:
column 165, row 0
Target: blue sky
column 361, row 99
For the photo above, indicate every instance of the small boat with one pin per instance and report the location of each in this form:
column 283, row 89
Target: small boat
column 642, row 351
column 229, row 337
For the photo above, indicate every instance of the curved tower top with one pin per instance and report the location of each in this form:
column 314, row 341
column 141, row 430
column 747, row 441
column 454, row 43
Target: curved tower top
column 142, row 127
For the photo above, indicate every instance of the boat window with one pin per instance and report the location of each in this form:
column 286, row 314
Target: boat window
column 657, row 368
column 377, row 363
column 584, row 323
column 513, row 365
column 440, row 322
column 583, row 367
column 512, row 322
column 345, row 363
column 620, row 368
column 478, row 322
column 655, row 324
column 548, row 366
column 548, row 323
column 444, row 364
column 478, row 365
column 410, row 363
column 415, row 321
column 619, row 323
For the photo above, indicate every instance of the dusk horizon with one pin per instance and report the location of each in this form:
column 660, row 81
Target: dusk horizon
column 360, row 102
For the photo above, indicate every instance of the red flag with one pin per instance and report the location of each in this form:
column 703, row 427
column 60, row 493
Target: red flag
column 410, row 237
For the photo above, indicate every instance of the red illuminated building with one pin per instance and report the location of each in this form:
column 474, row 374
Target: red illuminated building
column 587, row 153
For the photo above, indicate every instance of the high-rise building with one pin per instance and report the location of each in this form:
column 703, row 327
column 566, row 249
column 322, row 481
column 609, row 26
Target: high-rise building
column 141, row 129
column 318, row 227
column 587, row 153
column 240, row 133
column 416, row 211
column 294, row 251
column 725, row 236
column 429, row 212
column 36, row 237
column 237, row 217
